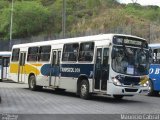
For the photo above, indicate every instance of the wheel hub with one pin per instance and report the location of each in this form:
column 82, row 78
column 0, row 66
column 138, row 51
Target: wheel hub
column 32, row 83
column 83, row 90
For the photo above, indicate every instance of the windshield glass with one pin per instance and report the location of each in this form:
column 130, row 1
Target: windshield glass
column 128, row 60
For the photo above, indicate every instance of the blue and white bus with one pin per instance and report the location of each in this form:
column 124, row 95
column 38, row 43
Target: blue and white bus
column 107, row 64
column 154, row 75
column 4, row 63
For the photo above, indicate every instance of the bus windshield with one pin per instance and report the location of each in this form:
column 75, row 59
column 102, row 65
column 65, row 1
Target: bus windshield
column 130, row 60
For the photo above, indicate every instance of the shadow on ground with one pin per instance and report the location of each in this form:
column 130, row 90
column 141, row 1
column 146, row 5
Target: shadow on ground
column 107, row 99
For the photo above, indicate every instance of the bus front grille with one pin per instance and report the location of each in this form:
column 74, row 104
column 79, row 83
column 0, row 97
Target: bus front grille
column 131, row 90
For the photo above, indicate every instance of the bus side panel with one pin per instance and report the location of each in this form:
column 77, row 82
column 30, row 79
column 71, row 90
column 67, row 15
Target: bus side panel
column 69, row 84
column 32, row 68
column 155, row 76
column 71, row 72
column 13, row 74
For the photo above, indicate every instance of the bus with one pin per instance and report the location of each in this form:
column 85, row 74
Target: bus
column 4, row 63
column 107, row 64
column 154, row 73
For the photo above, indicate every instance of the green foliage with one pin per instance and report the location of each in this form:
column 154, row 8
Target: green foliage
column 34, row 17
column 93, row 3
column 29, row 18
column 3, row 4
column 151, row 13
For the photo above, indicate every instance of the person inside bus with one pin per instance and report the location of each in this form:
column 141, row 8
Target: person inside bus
column 120, row 61
column 74, row 53
column 127, row 61
column 141, row 60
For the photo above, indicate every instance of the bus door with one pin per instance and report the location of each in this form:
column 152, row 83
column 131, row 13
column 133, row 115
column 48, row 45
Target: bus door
column 55, row 68
column 21, row 67
column 101, row 69
column 5, row 63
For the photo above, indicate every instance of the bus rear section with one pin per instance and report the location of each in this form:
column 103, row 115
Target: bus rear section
column 154, row 87
column 154, row 73
column 4, row 64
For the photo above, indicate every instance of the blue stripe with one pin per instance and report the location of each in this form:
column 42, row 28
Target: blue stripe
column 68, row 70
column 74, row 70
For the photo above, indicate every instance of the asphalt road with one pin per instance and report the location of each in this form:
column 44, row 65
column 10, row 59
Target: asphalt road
column 18, row 99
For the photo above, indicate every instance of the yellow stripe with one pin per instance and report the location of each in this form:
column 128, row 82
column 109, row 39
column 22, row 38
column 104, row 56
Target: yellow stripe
column 27, row 69
column 38, row 64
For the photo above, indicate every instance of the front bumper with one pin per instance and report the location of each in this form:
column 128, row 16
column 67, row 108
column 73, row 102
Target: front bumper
column 126, row 90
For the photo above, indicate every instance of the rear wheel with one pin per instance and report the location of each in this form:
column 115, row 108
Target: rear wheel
column 32, row 83
column 151, row 91
column 84, row 89
column 118, row 97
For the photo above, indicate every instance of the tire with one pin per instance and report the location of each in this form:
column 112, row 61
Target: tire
column 84, row 90
column 32, row 83
column 118, row 97
column 151, row 91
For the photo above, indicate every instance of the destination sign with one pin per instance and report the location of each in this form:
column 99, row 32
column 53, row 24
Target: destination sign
column 120, row 40
column 132, row 42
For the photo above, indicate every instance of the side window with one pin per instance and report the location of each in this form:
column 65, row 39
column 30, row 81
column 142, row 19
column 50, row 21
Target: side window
column 59, row 57
column 86, row 51
column 70, row 52
column 99, row 58
column 156, row 56
column 105, row 57
column 0, row 61
column 32, row 53
column 44, row 53
column 15, row 55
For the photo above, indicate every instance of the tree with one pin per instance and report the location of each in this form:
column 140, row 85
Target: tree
column 29, row 18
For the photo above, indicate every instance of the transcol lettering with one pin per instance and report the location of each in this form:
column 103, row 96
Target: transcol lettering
column 70, row 70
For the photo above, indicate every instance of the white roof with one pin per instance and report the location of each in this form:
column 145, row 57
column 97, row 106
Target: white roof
column 154, row 45
column 76, row 39
column 5, row 53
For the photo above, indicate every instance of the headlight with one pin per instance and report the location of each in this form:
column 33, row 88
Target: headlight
column 116, row 81
column 145, row 85
column 144, row 81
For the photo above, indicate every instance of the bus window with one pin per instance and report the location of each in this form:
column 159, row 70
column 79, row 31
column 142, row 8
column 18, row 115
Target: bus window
column 32, row 54
column 86, row 51
column 15, row 55
column 59, row 57
column 44, row 53
column 54, row 58
column 156, row 56
column 105, row 57
column 70, row 52
column 6, row 62
column 0, row 61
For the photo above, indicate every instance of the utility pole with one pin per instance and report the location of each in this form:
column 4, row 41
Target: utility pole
column 64, row 19
column 11, row 25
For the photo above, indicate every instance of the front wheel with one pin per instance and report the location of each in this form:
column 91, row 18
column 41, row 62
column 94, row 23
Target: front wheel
column 118, row 97
column 151, row 91
column 84, row 89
